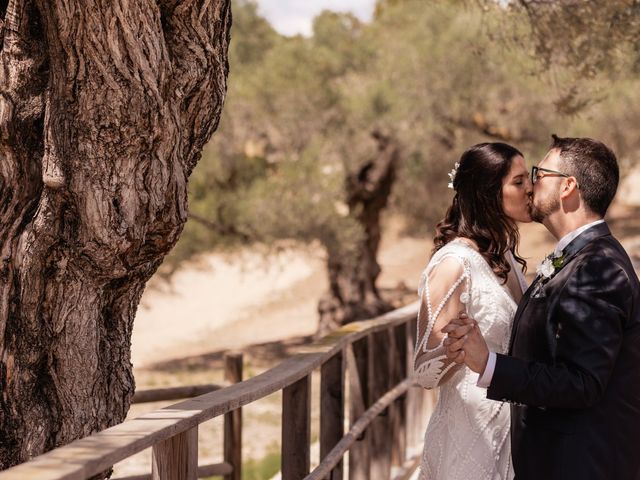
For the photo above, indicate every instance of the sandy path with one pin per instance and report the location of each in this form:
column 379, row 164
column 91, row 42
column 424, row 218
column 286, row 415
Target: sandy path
column 173, row 320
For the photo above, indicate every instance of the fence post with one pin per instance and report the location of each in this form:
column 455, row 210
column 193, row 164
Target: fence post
column 332, row 408
column 358, row 368
column 176, row 458
column 379, row 383
column 296, row 429
column 397, row 411
column 233, row 420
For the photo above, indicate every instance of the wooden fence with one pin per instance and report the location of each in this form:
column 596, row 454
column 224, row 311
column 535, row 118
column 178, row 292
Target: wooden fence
column 231, row 467
column 364, row 375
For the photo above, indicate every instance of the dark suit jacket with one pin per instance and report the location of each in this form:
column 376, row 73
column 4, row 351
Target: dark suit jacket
column 573, row 370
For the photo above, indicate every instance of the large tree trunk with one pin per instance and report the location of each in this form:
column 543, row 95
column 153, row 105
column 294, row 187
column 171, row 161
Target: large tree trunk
column 104, row 109
column 353, row 294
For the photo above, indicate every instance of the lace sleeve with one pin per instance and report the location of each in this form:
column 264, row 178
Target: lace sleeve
column 444, row 291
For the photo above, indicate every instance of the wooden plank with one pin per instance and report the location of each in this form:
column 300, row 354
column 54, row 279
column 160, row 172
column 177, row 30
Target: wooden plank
column 348, row 441
column 397, row 411
column 357, row 370
column 233, row 420
column 296, row 429
column 173, row 393
column 97, row 453
column 218, row 469
column 176, row 458
column 332, row 409
column 379, row 384
column 358, row 366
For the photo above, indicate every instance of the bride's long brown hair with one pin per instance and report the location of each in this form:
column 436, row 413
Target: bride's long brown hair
column 476, row 212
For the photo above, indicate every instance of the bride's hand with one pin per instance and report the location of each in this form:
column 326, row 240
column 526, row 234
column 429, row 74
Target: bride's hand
column 459, row 326
column 465, row 343
column 457, row 331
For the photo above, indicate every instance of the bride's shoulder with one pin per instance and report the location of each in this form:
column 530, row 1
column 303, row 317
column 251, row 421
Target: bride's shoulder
column 454, row 257
column 458, row 248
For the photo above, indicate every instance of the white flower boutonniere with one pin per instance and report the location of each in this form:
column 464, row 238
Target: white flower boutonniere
column 545, row 269
column 550, row 266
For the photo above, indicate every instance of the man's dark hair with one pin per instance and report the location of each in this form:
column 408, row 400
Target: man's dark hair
column 595, row 167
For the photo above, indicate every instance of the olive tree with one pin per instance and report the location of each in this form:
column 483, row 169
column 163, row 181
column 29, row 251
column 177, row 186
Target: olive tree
column 104, row 110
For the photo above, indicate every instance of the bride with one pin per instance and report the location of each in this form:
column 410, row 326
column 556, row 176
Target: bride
column 474, row 268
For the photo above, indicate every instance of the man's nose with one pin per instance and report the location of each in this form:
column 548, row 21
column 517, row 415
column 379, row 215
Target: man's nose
column 529, row 187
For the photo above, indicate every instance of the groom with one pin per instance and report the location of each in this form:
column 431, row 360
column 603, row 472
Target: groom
column 572, row 373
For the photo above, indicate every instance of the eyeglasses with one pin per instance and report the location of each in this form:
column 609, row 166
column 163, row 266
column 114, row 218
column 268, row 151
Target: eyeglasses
column 535, row 176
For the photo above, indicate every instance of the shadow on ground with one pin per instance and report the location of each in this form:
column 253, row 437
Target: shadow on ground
column 258, row 355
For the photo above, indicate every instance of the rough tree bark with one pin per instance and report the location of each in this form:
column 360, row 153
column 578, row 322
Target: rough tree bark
column 353, row 294
column 104, row 109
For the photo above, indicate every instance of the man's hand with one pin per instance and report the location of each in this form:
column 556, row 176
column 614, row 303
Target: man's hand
column 465, row 343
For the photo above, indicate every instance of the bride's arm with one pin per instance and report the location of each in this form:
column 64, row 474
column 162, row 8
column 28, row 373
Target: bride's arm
column 442, row 298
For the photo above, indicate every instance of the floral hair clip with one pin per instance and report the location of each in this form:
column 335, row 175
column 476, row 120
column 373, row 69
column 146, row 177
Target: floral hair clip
column 452, row 175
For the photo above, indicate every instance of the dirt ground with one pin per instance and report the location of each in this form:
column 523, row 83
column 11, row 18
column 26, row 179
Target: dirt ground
column 266, row 309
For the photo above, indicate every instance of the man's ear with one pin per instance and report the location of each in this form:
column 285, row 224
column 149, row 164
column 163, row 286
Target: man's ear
column 570, row 186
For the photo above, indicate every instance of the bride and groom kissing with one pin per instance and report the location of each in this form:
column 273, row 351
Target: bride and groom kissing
column 537, row 381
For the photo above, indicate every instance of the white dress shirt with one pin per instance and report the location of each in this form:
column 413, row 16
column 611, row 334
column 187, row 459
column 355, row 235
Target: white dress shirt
column 485, row 379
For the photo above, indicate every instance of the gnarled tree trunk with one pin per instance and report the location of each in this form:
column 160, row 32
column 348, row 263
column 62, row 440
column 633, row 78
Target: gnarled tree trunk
column 104, row 109
column 353, row 294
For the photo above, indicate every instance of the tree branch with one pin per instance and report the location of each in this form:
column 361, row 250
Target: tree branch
column 221, row 229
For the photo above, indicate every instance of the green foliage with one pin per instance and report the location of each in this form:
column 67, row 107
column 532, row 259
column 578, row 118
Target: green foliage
column 252, row 36
column 436, row 76
column 443, row 84
column 262, row 469
column 594, row 37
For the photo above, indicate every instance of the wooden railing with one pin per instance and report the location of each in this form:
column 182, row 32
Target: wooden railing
column 386, row 416
column 231, row 467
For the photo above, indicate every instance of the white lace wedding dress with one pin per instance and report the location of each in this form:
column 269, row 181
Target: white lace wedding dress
column 468, row 435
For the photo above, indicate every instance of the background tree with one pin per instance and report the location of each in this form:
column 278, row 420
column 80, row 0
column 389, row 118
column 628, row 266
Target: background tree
column 435, row 77
column 104, row 109
column 592, row 48
column 593, row 37
column 297, row 131
column 287, row 152
column 353, row 294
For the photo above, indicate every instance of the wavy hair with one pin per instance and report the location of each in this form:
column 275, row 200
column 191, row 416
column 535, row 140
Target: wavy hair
column 476, row 212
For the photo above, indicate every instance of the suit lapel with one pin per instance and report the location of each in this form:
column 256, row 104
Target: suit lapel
column 581, row 241
column 524, row 301
column 569, row 252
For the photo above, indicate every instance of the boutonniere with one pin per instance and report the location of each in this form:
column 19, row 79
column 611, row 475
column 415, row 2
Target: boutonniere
column 550, row 266
column 546, row 270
